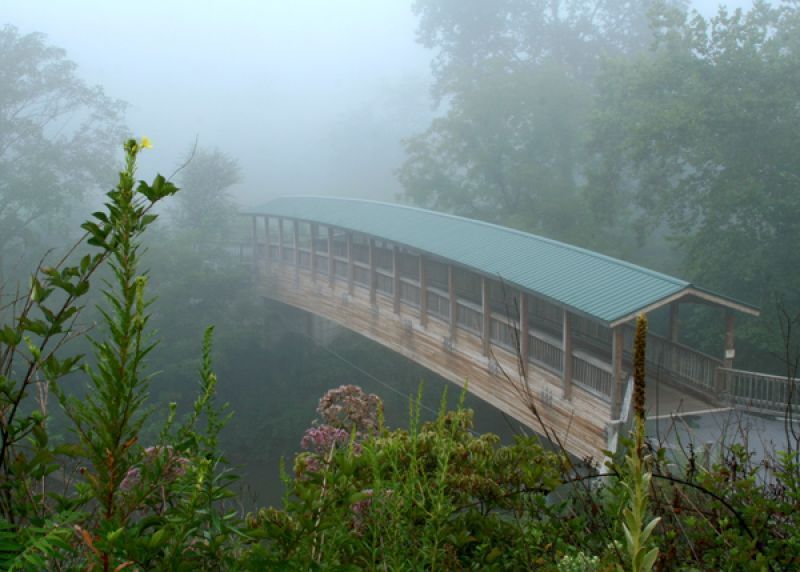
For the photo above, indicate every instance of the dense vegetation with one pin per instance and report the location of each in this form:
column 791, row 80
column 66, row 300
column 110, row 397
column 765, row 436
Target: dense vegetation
column 629, row 127
column 113, row 494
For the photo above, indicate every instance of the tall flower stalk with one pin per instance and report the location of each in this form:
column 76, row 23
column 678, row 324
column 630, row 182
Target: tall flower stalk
column 637, row 483
column 110, row 416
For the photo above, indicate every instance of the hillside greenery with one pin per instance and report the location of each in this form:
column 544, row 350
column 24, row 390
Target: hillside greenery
column 112, row 493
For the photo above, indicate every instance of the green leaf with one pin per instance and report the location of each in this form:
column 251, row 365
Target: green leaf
column 649, row 560
column 37, row 327
column 10, row 336
column 649, row 529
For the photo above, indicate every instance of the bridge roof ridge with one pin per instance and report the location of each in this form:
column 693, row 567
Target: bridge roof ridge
column 508, row 229
column 600, row 286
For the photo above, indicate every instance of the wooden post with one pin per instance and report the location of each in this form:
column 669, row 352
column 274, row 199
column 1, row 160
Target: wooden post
column 673, row 336
column 396, row 280
column 451, row 292
column 350, row 266
column 566, row 345
column 373, row 274
column 730, row 350
column 314, row 232
column 267, row 245
column 423, row 292
column 524, row 340
column 486, row 326
column 280, row 240
column 331, row 262
column 255, row 237
column 296, row 238
column 254, row 261
column 617, row 350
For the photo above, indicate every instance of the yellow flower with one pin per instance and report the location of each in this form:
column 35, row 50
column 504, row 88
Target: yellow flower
column 146, row 144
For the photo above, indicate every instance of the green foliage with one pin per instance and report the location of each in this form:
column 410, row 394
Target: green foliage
column 700, row 135
column 116, row 503
column 204, row 208
column 45, row 171
column 433, row 496
column 518, row 81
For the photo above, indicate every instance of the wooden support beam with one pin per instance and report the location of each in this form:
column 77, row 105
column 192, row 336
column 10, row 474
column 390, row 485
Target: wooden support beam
column 296, row 238
column 314, row 233
column 280, row 240
column 254, row 261
column 566, row 345
column 486, row 318
column 267, row 245
column 673, row 334
column 373, row 273
column 350, row 265
column 331, row 262
column 395, row 279
column 524, row 340
column 255, row 237
column 730, row 350
column 451, row 292
column 617, row 383
column 423, row 292
column 673, row 322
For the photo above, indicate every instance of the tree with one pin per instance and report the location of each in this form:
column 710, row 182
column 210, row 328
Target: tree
column 703, row 135
column 205, row 207
column 57, row 137
column 509, row 152
column 517, row 80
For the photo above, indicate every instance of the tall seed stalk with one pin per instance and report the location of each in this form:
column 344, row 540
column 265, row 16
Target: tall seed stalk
column 637, row 483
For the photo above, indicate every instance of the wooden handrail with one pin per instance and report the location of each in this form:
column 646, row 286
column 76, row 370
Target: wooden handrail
column 769, row 376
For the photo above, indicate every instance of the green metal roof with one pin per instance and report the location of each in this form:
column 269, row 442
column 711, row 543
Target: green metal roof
column 598, row 286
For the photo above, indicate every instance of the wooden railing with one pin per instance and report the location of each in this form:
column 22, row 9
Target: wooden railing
column 304, row 259
column 409, row 292
column 592, row 374
column 439, row 303
column 545, row 351
column 470, row 316
column 361, row 274
column 681, row 363
column 384, row 282
column 504, row 333
column 674, row 361
column 321, row 260
column 760, row 391
column 340, row 268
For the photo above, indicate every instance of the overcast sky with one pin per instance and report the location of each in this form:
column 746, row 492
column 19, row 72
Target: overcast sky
column 294, row 89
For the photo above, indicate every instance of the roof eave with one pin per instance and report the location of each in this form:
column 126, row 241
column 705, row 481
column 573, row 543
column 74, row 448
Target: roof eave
column 687, row 292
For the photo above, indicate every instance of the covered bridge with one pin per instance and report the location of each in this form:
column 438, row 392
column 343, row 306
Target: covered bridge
column 530, row 323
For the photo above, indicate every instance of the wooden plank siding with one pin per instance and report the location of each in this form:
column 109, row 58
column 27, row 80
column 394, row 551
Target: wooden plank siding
column 579, row 424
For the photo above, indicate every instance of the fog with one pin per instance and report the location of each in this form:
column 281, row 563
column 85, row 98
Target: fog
column 310, row 96
column 296, row 91
column 615, row 187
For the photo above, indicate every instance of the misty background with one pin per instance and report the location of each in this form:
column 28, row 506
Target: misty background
column 309, row 96
column 341, row 98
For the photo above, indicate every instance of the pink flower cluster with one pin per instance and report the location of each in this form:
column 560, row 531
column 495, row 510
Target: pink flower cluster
column 322, row 439
column 349, row 407
column 174, row 466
